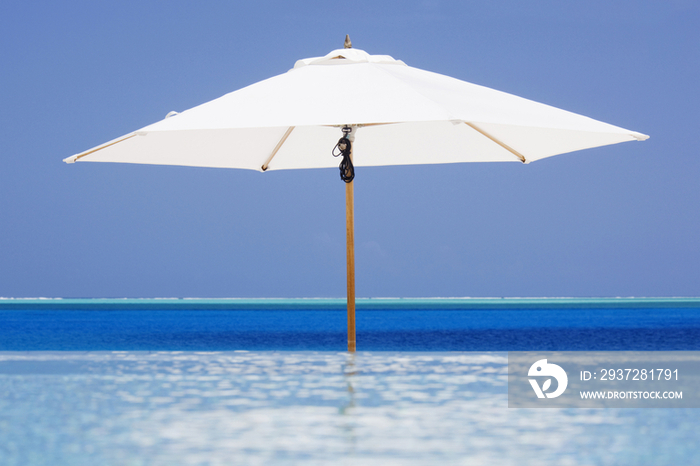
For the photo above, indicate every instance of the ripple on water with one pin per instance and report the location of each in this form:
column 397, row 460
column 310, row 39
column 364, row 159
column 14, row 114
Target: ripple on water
column 154, row 408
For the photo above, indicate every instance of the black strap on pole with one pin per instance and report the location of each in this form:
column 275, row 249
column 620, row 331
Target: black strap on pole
column 344, row 146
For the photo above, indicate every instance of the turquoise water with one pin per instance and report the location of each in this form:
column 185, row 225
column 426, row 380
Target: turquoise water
column 257, row 382
column 339, row 304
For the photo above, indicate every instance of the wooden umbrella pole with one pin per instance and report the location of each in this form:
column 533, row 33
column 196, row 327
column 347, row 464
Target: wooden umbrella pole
column 350, row 234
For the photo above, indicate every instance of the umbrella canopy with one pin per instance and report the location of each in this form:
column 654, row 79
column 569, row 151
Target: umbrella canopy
column 406, row 116
column 390, row 114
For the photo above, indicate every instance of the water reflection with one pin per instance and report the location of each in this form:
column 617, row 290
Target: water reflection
column 347, row 423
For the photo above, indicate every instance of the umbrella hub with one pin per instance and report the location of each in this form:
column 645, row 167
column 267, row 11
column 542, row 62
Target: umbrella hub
column 348, row 57
column 344, row 148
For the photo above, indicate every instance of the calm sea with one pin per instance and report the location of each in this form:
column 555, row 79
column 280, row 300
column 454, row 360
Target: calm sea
column 320, row 324
column 219, row 382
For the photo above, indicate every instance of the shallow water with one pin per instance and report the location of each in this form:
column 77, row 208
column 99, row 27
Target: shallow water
column 371, row 408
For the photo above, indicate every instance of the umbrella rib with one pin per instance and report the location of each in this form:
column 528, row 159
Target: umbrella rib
column 277, row 148
column 77, row 157
column 503, row 145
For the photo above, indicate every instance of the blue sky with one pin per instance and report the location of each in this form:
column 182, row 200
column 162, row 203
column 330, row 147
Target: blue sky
column 622, row 220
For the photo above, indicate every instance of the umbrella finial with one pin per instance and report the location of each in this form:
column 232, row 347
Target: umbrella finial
column 348, row 44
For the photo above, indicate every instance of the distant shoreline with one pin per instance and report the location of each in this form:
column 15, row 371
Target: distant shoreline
column 339, row 303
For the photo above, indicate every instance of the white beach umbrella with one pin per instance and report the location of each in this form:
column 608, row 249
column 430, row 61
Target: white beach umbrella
column 389, row 113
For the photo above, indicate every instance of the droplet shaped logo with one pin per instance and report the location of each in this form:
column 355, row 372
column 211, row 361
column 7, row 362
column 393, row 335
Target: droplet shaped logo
column 542, row 369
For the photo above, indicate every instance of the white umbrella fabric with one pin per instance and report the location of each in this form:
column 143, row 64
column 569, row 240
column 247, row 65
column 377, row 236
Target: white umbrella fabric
column 393, row 114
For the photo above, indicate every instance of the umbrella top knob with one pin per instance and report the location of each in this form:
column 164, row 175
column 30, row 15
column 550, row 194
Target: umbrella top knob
column 348, row 44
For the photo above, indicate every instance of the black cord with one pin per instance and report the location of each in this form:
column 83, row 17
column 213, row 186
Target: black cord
column 344, row 146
